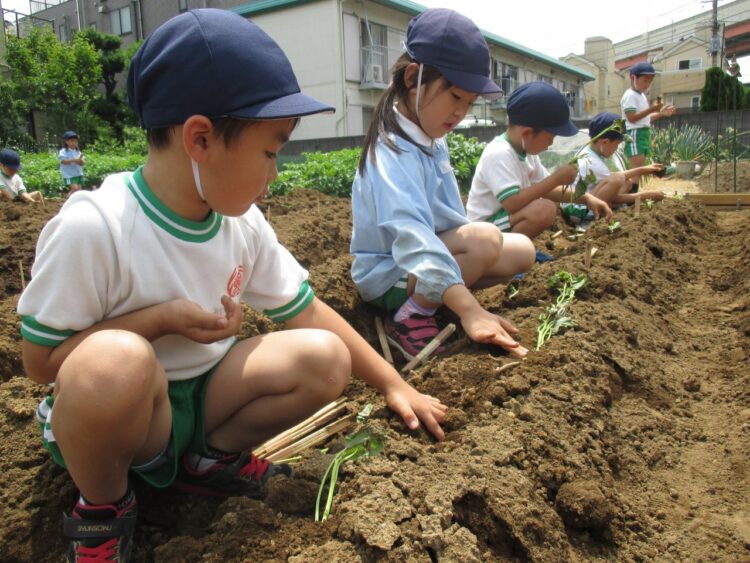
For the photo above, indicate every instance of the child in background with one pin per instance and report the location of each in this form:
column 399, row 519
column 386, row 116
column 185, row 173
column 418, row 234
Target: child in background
column 148, row 375
column 12, row 187
column 611, row 187
column 511, row 188
column 639, row 114
column 71, row 162
column 414, row 249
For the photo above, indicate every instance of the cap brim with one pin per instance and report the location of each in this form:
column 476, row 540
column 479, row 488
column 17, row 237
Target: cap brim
column 566, row 130
column 474, row 83
column 292, row 105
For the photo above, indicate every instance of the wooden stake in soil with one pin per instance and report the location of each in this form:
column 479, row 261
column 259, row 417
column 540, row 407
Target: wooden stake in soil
column 637, row 207
column 268, row 215
column 23, row 279
column 383, row 340
column 557, row 234
column 441, row 337
column 299, row 431
column 587, row 256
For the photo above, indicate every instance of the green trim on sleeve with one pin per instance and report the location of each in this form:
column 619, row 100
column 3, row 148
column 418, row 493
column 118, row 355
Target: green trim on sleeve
column 507, row 192
column 294, row 307
column 38, row 333
column 629, row 110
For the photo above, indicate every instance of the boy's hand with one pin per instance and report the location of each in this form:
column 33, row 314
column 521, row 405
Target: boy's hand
column 489, row 328
column 598, row 207
column 667, row 110
column 657, row 105
column 653, row 168
column 565, row 175
column 655, row 195
column 189, row 320
column 413, row 406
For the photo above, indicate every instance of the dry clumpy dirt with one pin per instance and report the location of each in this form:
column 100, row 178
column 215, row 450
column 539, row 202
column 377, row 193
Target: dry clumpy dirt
column 624, row 439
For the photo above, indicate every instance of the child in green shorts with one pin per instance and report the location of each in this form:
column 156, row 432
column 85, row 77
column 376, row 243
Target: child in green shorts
column 148, row 374
column 72, row 162
column 639, row 114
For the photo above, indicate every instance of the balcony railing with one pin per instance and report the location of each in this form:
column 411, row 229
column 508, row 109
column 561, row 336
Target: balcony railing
column 375, row 64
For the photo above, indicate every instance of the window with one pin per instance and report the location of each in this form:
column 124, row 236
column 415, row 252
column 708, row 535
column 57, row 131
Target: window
column 121, row 22
column 62, row 33
column 182, row 5
column 695, row 102
column 380, row 47
column 547, row 79
column 690, row 64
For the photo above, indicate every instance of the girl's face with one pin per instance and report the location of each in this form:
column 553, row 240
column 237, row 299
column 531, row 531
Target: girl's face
column 441, row 108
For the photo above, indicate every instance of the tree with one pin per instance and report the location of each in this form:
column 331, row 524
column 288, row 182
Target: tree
column 58, row 79
column 722, row 92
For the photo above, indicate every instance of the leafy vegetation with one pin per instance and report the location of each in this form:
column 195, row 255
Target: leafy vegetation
column 722, row 91
column 555, row 316
column 464, row 154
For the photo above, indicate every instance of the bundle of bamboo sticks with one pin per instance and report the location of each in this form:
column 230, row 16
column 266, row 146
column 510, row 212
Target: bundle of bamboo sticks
column 308, row 433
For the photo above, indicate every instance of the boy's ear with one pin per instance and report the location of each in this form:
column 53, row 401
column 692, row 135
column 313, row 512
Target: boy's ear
column 197, row 134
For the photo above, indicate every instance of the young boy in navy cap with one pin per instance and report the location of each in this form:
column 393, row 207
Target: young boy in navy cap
column 639, row 114
column 611, row 187
column 71, row 162
column 148, row 375
column 12, row 187
column 511, row 188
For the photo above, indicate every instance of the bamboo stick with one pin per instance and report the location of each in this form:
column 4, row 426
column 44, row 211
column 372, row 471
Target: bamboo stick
column 637, row 207
column 313, row 439
column 383, row 340
column 557, row 234
column 587, row 255
column 506, row 366
column 441, row 337
column 594, row 250
column 23, row 278
column 316, row 420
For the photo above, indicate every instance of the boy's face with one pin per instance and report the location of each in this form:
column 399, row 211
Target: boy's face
column 643, row 82
column 607, row 147
column 244, row 169
column 8, row 171
column 534, row 143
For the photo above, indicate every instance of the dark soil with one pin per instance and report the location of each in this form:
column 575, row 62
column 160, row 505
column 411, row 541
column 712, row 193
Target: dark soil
column 624, row 439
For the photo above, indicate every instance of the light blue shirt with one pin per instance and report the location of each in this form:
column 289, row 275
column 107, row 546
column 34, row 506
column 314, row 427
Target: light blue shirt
column 399, row 205
column 69, row 170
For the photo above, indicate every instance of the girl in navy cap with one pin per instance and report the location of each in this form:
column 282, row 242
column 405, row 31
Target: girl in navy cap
column 639, row 114
column 71, row 162
column 414, row 249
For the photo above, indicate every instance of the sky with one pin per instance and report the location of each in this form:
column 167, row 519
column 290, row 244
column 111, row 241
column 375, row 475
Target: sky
column 558, row 28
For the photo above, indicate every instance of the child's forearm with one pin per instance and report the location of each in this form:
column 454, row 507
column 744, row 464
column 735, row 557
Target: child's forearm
column 527, row 195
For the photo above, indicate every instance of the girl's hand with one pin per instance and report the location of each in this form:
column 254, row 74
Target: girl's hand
column 488, row 328
column 186, row 318
column 413, row 406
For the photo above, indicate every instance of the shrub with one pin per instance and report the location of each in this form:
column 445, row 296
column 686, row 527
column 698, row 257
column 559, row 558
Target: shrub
column 331, row 173
column 464, row 154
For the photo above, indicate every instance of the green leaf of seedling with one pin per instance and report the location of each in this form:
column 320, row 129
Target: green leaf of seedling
column 613, row 226
column 365, row 413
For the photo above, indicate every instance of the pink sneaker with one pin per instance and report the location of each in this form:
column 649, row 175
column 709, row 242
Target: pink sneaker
column 411, row 335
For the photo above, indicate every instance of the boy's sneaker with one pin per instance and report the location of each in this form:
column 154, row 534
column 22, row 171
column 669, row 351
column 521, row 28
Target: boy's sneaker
column 241, row 474
column 101, row 532
column 411, row 335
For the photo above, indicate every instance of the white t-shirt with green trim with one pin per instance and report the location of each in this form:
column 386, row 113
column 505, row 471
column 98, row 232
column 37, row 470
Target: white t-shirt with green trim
column 501, row 172
column 635, row 102
column 119, row 249
column 12, row 185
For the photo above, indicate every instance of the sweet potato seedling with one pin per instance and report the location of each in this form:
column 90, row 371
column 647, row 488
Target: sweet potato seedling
column 613, row 226
column 555, row 317
column 364, row 442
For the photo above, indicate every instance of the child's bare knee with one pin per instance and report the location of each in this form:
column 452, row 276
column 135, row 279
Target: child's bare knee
column 331, row 364
column 486, row 241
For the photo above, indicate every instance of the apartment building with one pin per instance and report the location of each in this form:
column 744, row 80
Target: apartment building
column 341, row 50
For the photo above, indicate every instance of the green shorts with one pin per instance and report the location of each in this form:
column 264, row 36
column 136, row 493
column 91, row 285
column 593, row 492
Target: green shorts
column 74, row 180
column 188, row 430
column 392, row 299
column 641, row 142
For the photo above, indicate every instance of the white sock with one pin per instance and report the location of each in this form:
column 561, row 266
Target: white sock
column 411, row 308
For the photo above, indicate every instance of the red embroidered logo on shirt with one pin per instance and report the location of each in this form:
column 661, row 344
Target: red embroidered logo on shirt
column 235, row 282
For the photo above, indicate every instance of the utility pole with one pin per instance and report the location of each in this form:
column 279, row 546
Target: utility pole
column 715, row 47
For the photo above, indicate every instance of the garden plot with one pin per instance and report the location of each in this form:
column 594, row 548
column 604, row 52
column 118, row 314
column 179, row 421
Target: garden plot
column 626, row 437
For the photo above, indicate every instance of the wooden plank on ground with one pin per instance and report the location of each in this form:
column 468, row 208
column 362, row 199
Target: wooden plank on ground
column 726, row 199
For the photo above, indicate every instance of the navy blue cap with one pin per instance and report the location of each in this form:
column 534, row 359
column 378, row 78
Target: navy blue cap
column 214, row 63
column 600, row 122
column 541, row 106
column 642, row 68
column 453, row 44
column 70, row 135
column 11, row 159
